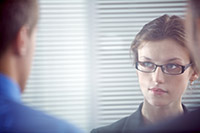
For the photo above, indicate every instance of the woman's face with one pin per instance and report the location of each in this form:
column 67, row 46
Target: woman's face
column 158, row 88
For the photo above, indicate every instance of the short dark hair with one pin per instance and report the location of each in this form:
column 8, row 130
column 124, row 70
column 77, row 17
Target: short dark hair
column 13, row 15
column 164, row 27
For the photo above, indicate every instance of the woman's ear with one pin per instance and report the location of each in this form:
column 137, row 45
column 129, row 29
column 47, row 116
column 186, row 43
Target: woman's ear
column 20, row 45
column 194, row 76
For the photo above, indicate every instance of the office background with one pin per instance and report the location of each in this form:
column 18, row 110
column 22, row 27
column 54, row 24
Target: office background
column 82, row 69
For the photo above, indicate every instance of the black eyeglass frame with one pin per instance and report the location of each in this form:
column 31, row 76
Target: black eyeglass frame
column 162, row 68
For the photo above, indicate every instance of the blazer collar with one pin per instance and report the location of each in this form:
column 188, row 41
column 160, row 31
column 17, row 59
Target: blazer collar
column 136, row 120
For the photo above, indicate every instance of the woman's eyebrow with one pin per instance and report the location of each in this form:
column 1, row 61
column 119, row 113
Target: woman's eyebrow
column 174, row 59
column 146, row 58
column 168, row 60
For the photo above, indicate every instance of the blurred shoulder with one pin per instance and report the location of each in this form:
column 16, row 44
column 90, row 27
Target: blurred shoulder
column 19, row 117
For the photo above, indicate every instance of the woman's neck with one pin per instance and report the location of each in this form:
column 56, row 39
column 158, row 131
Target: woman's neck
column 154, row 114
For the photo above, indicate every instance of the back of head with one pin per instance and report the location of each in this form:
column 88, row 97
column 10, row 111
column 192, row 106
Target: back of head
column 195, row 12
column 13, row 15
column 195, row 8
column 194, row 29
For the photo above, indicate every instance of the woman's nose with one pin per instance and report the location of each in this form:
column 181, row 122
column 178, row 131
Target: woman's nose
column 158, row 75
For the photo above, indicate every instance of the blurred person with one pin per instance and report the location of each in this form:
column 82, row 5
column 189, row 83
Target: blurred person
column 164, row 68
column 18, row 26
column 193, row 29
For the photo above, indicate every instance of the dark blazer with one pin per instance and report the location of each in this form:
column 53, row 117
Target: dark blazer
column 189, row 122
column 127, row 124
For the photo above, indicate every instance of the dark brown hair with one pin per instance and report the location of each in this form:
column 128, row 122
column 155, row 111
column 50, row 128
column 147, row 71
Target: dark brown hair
column 13, row 15
column 164, row 27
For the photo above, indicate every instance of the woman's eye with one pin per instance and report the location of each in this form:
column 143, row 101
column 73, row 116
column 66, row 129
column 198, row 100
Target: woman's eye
column 147, row 64
column 171, row 66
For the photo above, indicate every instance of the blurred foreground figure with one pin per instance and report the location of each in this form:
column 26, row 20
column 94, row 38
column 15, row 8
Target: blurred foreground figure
column 18, row 21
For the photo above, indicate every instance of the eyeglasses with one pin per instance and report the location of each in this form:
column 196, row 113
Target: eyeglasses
column 170, row 68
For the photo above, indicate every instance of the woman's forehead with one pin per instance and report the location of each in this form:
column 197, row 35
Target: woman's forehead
column 163, row 50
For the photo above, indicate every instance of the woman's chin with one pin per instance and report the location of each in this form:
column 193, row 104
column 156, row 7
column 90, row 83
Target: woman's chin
column 158, row 103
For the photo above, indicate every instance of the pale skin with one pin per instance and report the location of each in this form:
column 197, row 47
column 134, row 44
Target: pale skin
column 160, row 106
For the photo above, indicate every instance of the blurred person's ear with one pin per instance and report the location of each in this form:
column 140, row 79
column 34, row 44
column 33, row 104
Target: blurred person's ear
column 20, row 45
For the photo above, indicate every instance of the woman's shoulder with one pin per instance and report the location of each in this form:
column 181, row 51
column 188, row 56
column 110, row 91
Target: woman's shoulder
column 129, row 122
column 115, row 127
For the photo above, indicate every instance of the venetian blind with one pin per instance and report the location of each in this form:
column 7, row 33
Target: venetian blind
column 117, row 22
column 58, row 82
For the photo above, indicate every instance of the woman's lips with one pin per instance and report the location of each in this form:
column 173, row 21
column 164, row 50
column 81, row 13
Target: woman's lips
column 157, row 91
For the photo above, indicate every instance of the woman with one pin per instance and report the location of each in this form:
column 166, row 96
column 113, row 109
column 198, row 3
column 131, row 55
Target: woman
column 164, row 68
column 190, row 121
